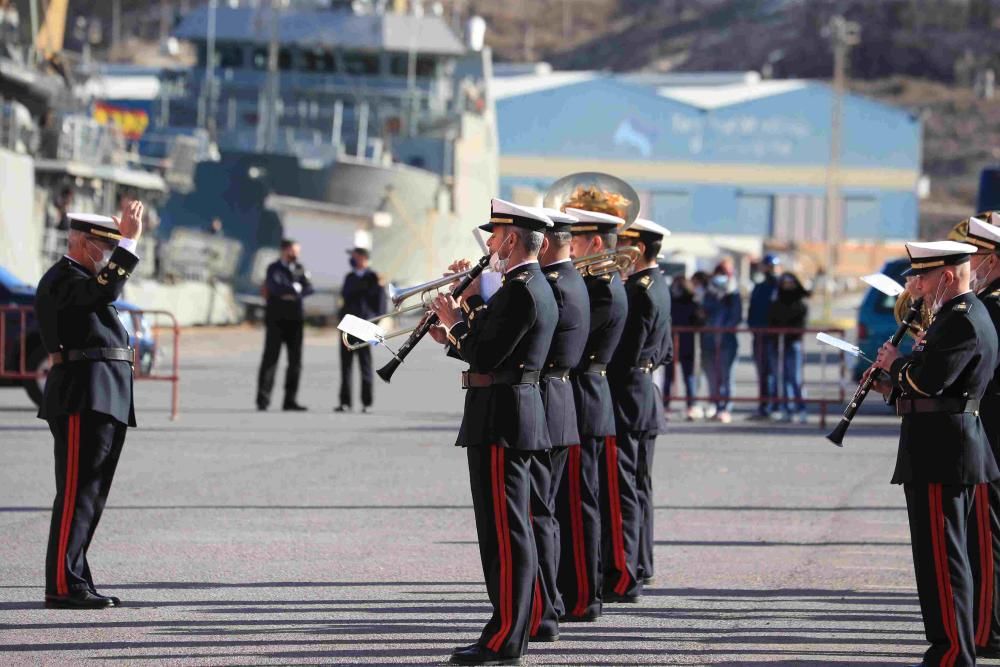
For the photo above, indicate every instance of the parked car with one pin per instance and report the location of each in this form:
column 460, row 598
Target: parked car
column 15, row 329
column 876, row 322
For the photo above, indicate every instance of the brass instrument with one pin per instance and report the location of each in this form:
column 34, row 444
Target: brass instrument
column 609, row 261
column 426, row 291
column 918, row 325
column 594, row 191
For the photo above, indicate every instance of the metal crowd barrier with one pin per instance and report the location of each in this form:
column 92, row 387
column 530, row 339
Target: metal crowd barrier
column 828, row 356
column 18, row 320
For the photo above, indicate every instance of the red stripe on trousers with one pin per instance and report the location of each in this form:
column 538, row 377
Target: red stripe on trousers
column 69, row 499
column 503, row 542
column 617, row 539
column 576, row 528
column 985, row 564
column 943, row 574
column 536, row 609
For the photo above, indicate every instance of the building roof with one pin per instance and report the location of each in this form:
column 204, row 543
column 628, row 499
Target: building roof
column 716, row 97
column 712, row 90
column 376, row 32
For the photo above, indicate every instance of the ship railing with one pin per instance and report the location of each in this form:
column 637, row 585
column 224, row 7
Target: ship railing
column 17, row 132
column 85, row 140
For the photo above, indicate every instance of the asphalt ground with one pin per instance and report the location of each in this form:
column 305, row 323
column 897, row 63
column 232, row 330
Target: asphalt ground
column 238, row 537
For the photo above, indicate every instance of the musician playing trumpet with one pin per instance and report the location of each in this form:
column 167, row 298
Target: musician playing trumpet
column 505, row 343
column 943, row 450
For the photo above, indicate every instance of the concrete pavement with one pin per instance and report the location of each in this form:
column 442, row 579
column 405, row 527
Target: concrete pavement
column 238, row 537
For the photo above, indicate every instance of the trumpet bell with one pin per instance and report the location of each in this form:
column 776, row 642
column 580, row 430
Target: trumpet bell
column 595, row 191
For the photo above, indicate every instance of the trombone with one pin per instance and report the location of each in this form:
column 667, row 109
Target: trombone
column 618, row 260
column 427, row 291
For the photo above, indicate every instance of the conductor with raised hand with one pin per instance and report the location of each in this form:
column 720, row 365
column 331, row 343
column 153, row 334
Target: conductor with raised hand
column 88, row 394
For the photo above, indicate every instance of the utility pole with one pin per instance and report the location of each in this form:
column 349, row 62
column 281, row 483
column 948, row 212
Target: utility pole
column 842, row 35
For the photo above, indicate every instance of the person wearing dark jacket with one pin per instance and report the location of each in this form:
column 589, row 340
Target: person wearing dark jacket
column 944, row 451
column 984, row 530
column 579, row 502
column 765, row 346
column 790, row 311
column 505, row 342
column 645, row 345
column 88, row 400
column 286, row 285
column 362, row 296
column 547, row 468
column 684, row 312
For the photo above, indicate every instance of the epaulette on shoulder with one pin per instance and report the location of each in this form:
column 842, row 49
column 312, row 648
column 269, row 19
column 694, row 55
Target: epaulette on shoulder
column 522, row 278
column 961, row 307
column 995, row 294
column 645, row 282
column 552, row 276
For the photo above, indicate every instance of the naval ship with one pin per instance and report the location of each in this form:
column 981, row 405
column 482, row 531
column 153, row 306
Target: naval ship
column 337, row 124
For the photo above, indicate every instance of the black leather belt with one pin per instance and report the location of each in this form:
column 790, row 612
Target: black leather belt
column 477, row 380
column 94, row 354
column 645, row 365
column 593, row 367
column 912, row 406
column 554, row 373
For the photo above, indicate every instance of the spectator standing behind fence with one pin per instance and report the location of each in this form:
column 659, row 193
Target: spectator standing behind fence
column 790, row 311
column 699, row 285
column 684, row 312
column 723, row 308
column 765, row 346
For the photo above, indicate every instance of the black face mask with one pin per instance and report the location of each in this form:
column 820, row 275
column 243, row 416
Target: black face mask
column 354, row 263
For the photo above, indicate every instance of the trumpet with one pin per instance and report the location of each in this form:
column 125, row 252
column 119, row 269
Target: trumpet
column 427, row 291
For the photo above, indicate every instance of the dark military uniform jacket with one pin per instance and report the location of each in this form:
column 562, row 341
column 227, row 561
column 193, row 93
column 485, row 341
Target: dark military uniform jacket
column 507, row 337
column 568, row 342
column 608, row 310
column 284, row 302
column 955, row 359
column 990, row 412
column 362, row 296
column 645, row 345
column 74, row 312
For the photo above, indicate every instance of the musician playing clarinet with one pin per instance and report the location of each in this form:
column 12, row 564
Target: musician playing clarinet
column 505, row 343
column 943, row 449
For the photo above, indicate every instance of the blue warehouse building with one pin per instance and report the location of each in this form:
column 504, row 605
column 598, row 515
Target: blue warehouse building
column 727, row 157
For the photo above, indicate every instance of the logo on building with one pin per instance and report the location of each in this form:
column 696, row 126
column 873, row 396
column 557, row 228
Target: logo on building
column 634, row 134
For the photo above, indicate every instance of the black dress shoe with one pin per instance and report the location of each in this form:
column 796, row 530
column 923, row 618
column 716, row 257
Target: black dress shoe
column 78, row 600
column 115, row 602
column 589, row 617
column 479, row 655
column 623, row 599
column 545, row 637
column 261, row 408
column 342, row 408
column 294, row 407
column 987, row 652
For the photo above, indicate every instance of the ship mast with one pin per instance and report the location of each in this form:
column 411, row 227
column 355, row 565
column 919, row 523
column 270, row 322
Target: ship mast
column 268, row 103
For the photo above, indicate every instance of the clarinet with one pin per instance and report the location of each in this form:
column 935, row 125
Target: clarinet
column 836, row 436
column 430, row 320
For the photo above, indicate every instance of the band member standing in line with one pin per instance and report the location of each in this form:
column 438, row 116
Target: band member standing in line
column 560, row 414
column 578, row 502
column 644, row 346
column 984, row 524
column 363, row 296
column 943, row 449
column 505, row 344
column 88, row 399
column 287, row 284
